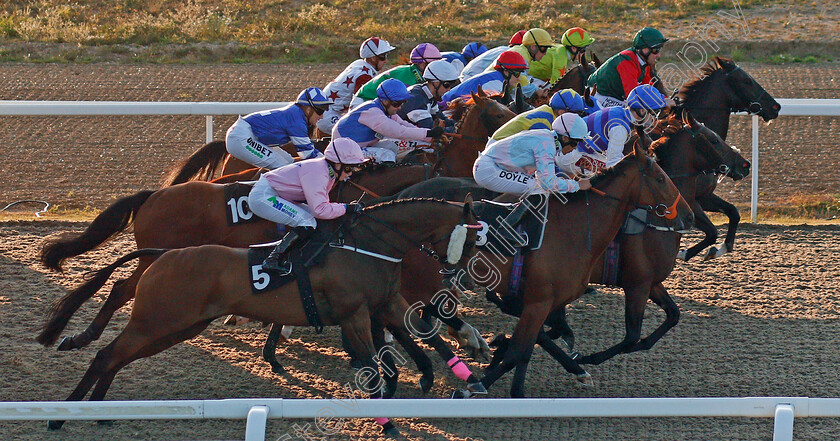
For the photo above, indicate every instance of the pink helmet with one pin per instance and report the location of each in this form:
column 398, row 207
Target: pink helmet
column 425, row 52
column 344, row 151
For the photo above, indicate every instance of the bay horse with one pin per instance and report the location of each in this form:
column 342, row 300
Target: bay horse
column 722, row 88
column 184, row 290
column 477, row 119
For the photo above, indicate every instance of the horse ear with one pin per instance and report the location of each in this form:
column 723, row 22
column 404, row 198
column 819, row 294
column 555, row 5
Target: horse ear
column 587, row 99
column 643, row 144
column 520, row 99
column 468, row 201
column 596, row 60
column 481, row 92
column 688, row 117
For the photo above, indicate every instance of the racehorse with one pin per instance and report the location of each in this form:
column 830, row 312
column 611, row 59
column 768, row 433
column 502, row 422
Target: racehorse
column 558, row 272
column 721, row 89
column 184, row 290
column 574, row 79
column 477, row 119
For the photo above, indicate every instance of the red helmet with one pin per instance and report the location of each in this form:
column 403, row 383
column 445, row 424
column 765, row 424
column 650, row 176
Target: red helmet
column 517, row 38
column 510, row 60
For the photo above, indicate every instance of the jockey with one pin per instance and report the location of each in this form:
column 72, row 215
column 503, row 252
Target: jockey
column 505, row 76
column 421, row 109
column 298, row 194
column 551, row 67
column 535, row 44
column 409, row 74
column 611, row 127
column 256, row 137
column 480, row 63
column 373, row 56
column 631, row 67
column 373, row 121
column 524, row 164
column 460, row 59
column 566, row 100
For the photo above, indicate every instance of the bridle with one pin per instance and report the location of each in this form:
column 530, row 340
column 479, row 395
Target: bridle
column 754, row 106
column 662, row 210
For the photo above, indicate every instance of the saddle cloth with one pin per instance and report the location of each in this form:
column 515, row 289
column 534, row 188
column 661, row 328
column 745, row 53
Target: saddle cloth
column 491, row 214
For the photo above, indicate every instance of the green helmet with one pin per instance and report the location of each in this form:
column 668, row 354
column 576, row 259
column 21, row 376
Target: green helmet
column 648, row 38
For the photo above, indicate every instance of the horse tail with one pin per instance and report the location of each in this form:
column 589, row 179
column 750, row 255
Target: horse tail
column 201, row 165
column 64, row 308
column 109, row 222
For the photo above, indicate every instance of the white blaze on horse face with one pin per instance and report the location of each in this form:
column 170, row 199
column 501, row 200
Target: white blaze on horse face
column 456, row 244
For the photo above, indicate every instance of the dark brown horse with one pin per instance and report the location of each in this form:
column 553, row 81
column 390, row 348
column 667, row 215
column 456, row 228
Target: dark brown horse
column 184, row 290
column 574, row 79
column 722, row 88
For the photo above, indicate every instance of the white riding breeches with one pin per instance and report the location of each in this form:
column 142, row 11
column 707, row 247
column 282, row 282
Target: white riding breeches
column 326, row 123
column 242, row 144
column 265, row 203
column 492, row 177
column 607, row 101
column 383, row 151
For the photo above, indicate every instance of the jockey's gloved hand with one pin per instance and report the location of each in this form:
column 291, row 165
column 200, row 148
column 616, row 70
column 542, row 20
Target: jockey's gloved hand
column 355, row 208
column 449, row 129
column 435, row 132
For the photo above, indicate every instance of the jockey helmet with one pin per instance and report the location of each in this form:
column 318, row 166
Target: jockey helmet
column 646, row 96
column 567, row 99
column 313, row 96
column 537, row 36
column 576, row 37
column 424, row 52
column 517, row 38
column 571, row 125
column 344, row 151
column 374, row 46
column 392, row 89
column 510, row 60
column 440, row 70
column 472, row 50
column 648, row 38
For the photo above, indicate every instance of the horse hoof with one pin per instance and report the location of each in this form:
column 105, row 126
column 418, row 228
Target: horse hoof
column 392, row 433
column 355, row 364
column 460, row 393
column 682, row 255
column 477, row 388
column 576, row 356
column 54, row 425
column 389, row 390
column 426, row 383
column 585, row 379
column 67, row 344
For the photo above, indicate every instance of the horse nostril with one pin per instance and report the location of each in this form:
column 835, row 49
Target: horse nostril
column 777, row 107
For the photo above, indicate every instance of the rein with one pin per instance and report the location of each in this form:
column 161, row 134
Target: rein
column 661, row 210
column 363, row 189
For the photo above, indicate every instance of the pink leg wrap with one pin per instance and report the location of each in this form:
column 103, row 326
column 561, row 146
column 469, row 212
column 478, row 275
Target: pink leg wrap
column 381, row 420
column 459, row 368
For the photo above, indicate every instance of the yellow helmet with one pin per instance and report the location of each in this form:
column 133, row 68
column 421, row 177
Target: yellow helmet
column 537, row 36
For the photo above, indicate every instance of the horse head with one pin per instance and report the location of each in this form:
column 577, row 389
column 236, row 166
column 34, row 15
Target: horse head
column 749, row 95
column 732, row 163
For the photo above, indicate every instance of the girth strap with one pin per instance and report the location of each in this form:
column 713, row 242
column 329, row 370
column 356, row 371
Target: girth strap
column 307, row 298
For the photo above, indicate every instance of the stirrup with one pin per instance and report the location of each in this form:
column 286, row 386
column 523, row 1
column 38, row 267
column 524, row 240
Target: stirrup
column 281, row 268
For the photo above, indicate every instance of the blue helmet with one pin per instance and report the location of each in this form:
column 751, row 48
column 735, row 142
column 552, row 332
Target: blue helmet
column 567, row 99
column 646, row 96
column 313, row 96
column 472, row 50
column 392, row 89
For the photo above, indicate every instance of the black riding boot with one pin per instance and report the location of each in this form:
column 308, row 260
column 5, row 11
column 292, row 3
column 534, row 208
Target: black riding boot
column 512, row 220
column 276, row 261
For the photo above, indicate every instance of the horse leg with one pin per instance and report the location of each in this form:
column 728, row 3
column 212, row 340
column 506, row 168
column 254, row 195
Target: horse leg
column 569, row 364
column 715, row 204
column 385, row 358
column 357, row 331
column 635, row 300
column 120, row 294
column 701, row 221
column 424, row 364
column 395, row 315
column 660, row 296
column 270, row 349
column 560, row 328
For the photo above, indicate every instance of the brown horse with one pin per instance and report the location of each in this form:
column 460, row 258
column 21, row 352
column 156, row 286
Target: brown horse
column 189, row 214
column 184, row 290
column 477, row 119
column 722, row 88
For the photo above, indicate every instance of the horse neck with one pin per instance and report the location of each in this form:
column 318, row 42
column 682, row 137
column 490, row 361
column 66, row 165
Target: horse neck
column 710, row 103
column 573, row 79
column 458, row 159
column 393, row 226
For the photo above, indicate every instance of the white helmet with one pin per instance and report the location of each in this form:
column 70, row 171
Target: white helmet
column 440, row 70
column 571, row 125
column 374, row 46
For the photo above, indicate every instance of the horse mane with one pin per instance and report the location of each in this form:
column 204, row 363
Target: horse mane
column 717, row 63
column 667, row 128
column 406, row 201
column 607, row 174
column 460, row 106
column 379, row 167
